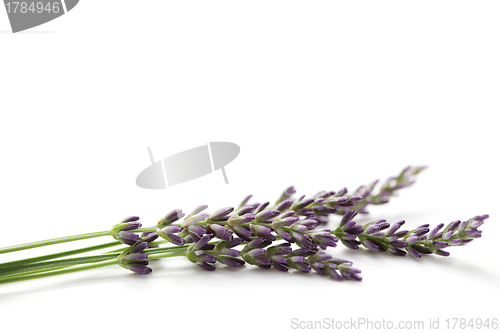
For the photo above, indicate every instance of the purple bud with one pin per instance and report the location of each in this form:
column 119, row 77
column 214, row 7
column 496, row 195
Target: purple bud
column 202, row 242
column 283, row 205
column 139, row 247
column 136, row 256
column 149, row 237
column 349, row 244
column 462, row 225
column 370, row 245
column 394, row 228
column 245, row 200
column 245, row 209
column 454, row 241
column 440, row 252
column 413, row 252
column 267, row 215
column 261, row 207
column 130, row 219
column 230, row 252
column 262, row 231
column 205, row 266
column 210, row 258
column 128, row 238
column 198, row 230
column 243, row 232
column 233, row 242
column 256, row 252
column 131, row 226
column 348, row 216
column 356, row 230
column 399, row 243
column 447, row 235
column 434, row 231
column 139, row 269
column 439, row 244
column 396, row 251
column 349, row 237
column 171, row 217
column 221, row 212
column 172, row 229
column 412, row 239
column 348, row 225
column 401, row 233
column 371, row 229
column 231, row 262
column 198, row 209
column 355, row 198
column 221, row 232
column 421, row 231
column 283, row 234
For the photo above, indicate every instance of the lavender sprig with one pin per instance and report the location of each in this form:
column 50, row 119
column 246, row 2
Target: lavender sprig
column 416, row 242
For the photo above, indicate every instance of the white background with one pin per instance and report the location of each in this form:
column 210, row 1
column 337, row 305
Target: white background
column 318, row 94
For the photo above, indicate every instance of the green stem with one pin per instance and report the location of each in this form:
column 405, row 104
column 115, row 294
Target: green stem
column 56, row 264
column 57, row 255
column 57, row 272
column 53, row 241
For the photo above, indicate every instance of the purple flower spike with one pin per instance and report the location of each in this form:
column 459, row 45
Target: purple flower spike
column 221, row 232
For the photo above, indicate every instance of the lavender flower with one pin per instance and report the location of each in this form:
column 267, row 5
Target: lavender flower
column 416, row 242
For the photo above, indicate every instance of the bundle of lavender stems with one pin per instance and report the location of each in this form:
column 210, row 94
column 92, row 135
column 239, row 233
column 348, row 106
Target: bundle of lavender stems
column 291, row 234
